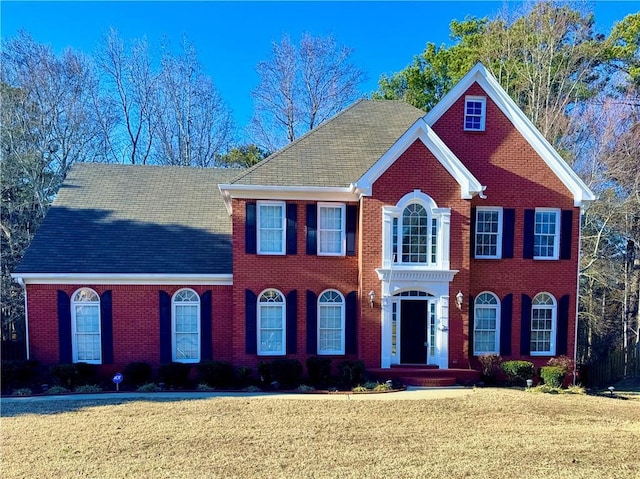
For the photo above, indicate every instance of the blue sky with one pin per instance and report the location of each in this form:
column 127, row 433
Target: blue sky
column 232, row 37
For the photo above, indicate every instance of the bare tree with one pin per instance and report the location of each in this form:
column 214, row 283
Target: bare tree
column 300, row 87
column 195, row 125
column 131, row 90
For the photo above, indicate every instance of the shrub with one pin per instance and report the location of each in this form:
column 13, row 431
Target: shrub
column 56, row 390
column 88, row 388
column 18, row 374
column 286, row 371
column 218, row 374
column 137, row 373
column 175, row 374
column 149, row 388
column 70, row 376
column 303, row 388
column 491, row 367
column 243, row 376
column 22, row 392
column 382, row 387
column 518, row 371
column 264, row 372
column 319, row 369
column 204, row 387
column 351, row 373
column 359, row 389
column 564, row 363
column 552, row 375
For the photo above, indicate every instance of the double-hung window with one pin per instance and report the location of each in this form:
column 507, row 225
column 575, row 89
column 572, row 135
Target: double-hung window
column 486, row 327
column 271, row 221
column 271, row 323
column 331, row 229
column 488, row 241
column 186, row 326
column 331, row 320
column 474, row 113
column 85, row 327
column 546, row 237
column 543, row 325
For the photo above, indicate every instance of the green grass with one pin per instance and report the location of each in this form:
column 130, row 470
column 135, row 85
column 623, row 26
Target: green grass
column 489, row 433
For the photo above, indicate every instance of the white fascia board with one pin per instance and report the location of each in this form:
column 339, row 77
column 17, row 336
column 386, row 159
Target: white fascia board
column 303, row 193
column 124, row 278
column 582, row 195
column 420, row 130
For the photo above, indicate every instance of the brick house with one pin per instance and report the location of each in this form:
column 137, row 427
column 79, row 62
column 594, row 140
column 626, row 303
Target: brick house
column 385, row 235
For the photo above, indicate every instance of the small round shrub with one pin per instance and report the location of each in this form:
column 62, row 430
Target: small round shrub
column 319, row 370
column 18, row 374
column 359, row 389
column 287, row 372
column 491, row 367
column 22, row 392
column 264, row 372
column 204, row 387
column 218, row 374
column 149, row 388
column 70, row 376
column 563, row 362
column 52, row 391
column 137, row 373
column 552, row 375
column 175, row 374
column 351, row 373
column 243, row 376
column 88, row 388
column 303, row 388
column 518, row 371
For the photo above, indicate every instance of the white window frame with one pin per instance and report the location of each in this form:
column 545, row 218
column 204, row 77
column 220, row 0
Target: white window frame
column 554, row 324
column 556, row 239
column 343, row 231
column 496, row 307
column 341, row 350
column 498, row 254
column 483, row 114
column 75, row 303
column 261, row 304
column 283, row 228
column 174, row 314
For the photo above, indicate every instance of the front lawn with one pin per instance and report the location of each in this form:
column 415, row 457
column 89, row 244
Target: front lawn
column 490, row 433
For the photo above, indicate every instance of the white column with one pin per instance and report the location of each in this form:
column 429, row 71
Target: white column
column 442, row 334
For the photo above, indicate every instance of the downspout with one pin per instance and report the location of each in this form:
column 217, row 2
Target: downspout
column 21, row 282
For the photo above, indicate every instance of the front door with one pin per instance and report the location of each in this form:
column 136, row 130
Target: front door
column 413, row 332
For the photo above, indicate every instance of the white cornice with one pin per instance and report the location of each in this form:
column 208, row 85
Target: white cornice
column 582, row 195
column 420, row 130
column 123, row 278
column 303, row 193
column 418, row 275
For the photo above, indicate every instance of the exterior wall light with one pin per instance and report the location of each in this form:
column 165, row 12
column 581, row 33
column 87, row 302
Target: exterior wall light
column 372, row 296
column 459, row 298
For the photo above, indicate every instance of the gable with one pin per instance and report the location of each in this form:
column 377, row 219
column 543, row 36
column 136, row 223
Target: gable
column 580, row 192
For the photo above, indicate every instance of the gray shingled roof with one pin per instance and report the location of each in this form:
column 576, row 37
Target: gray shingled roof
column 135, row 219
column 339, row 151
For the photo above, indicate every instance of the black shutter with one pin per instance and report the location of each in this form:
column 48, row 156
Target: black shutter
column 292, row 322
column 312, row 225
column 508, row 231
column 165, row 327
column 352, row 225
column 563, row 325
column 506, row 312
column 350, row 334
column 64, row 327
column 472, row 324
column 525, row 326
column 251, row 319
column 312, row 323
column 472, row 229
column 206, row 327
column 106, row 327
column 292, row 221
column 566, row 226
column 529, row 225
column 250, row 239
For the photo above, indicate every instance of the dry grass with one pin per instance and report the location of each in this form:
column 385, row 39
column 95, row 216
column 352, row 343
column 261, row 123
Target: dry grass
column 486, row 434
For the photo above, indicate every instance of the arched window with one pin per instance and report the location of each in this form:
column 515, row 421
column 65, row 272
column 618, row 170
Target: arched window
column 543, row 325
column 415, row 234
column 331, row 323
column 486, row 329
column 85, row 327
column 185, row 326
column 271, row 323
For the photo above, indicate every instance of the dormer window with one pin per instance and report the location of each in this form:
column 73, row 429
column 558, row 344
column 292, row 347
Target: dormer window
column 474, row 113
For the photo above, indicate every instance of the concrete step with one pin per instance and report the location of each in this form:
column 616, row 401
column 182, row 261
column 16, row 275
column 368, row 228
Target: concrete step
column 442, row 381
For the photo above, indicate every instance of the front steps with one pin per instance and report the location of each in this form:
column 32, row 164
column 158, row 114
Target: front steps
column 426, row 375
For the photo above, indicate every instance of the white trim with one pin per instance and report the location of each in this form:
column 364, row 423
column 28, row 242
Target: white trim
column 582, row 195
column 556, row 236
column 554, row 325
column 497, row 307
column 420, row 130
column 283, row 351
column 343, row 323
column 343, row 220
column 74, row 325
column 124, row 278
column 498, row 254
column 174, row 305
column 283, row 227
column 303, row 193
column 483, row 113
